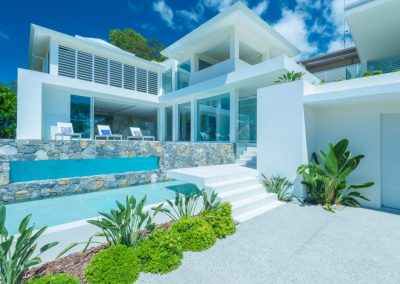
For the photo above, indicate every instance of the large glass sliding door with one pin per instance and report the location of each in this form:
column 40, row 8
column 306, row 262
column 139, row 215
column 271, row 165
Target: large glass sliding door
column 168, row 123
column 213, row 118
column 80, row 114
column 247, row 120
column 184, row 121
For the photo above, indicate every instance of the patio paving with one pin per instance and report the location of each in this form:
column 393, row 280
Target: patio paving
column 294, row 244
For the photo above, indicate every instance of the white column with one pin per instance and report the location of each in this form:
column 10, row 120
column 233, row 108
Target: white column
column 193, row 120
column 174, row 67
column 53, row 58
column 234, row 47
column 234, row 114
column 175, row 123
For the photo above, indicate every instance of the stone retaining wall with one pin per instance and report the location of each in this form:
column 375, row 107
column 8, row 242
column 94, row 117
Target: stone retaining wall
column 172, row 155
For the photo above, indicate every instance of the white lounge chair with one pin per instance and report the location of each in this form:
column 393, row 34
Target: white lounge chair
column 66, row 130
column 204, row 136
column 105, row 133
column 138, row 135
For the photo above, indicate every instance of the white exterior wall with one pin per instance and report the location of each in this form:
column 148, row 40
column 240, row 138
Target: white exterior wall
column 361, row 124
column 281, row 140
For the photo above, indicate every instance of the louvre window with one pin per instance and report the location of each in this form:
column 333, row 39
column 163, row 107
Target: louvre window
column 85, row 66
column 152, row 81
column 66, row 61
column 141, row 80
column 101, row 70
column 129, row 77
column 115, row 74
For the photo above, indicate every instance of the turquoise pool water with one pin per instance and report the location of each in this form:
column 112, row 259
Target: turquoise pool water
column 54, row 169
column 60, row 210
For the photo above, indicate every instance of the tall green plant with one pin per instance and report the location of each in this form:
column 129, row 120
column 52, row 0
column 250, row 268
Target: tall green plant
column 180, row 207
column 280, row 186
column 16, row 259
column 325, row 178
column 289, row 77
column 121, row 226
column 8, row 111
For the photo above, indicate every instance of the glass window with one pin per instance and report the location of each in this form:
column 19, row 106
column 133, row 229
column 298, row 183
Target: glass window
column 183, row 75
column 168, row 123
column 247, row 124
column 184, row 121
column 80, row 115
column 214, row 118
column 167, row 81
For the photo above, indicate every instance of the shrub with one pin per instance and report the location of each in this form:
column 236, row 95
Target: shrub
column 366, row 74
column 196, row 234
column 326, row 181
column 61, row 278
column 220, row 219
column 16, row 260
column 116, row 264
column 161, row 252
column 280, row 186
column 290, row 77
column 377, row 72
column 339, row 79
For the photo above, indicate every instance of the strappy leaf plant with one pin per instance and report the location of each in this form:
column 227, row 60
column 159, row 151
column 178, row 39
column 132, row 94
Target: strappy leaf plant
column 180, row 207
column 16, row 252
column 289, row 77
column 325, row 178
column 122, row 226
column 210, row 202
column 280, row 186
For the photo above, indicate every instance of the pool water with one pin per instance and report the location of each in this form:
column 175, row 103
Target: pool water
column 65, row 209
column 21, row 171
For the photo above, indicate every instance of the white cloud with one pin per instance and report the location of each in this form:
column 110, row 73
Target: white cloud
column 4, row 35
column 335, row 45
column 190, row 16
column 165, row 11
column 293, row 27
column 220, row 5
column 261, row 7
column 132, row 6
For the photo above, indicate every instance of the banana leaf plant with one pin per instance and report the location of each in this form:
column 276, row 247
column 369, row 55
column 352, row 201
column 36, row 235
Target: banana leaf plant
column 325, row 178
column 17, row 257
column 124, row 225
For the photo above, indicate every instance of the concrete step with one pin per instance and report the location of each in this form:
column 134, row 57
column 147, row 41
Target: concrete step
column 262, row 195
column 252, row 203
column 232, row 184
column 241, row 193
column 249, row 153
column 242, row 217
column 237, row 174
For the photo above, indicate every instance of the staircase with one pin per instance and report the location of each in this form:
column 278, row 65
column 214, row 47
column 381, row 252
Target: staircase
column 248, row 158
column 242, row 188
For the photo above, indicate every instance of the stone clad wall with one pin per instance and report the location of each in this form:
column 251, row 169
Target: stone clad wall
column 172, row 155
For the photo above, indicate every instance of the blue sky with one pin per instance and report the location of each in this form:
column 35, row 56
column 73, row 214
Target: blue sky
column 314, row 26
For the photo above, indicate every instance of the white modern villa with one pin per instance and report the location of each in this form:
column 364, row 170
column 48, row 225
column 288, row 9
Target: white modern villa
column 218, row 85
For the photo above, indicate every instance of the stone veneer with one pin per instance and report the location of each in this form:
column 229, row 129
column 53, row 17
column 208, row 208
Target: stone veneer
column 172, row 155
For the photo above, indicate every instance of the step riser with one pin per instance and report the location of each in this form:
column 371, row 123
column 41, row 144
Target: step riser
column 257, row 204
column 222, row 178
column 243, row 195
column 254, row 213
column 235, row 185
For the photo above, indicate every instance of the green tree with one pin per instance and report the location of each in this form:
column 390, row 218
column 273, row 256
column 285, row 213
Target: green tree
column 8, row 111
column 132, row 41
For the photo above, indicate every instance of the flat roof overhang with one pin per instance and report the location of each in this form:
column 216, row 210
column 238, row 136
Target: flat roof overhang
column 239, row 16
column 374, row 25
column 379, row 88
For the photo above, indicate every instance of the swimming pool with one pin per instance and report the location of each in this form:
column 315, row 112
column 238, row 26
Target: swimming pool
column 21, row 171
column 65, row 209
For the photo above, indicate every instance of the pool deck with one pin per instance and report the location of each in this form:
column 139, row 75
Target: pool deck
column 294, row 244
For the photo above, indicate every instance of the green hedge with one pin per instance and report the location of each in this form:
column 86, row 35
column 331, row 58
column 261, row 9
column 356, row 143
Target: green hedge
column 196, row 234
column 115, row 265
column 220, row 219
column 161, row 252
column 61, row 278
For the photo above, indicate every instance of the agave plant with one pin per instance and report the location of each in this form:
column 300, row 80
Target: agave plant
column 280, row 186
column 122, row 226
column 180, row 207
column 326, row 181
column 289, row 77
column 16, row 260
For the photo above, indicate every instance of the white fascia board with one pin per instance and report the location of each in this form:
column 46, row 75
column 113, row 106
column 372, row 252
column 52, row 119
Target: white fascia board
column 375, row 88
column 103, row 50
column 90, row 88
column 267, row 71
